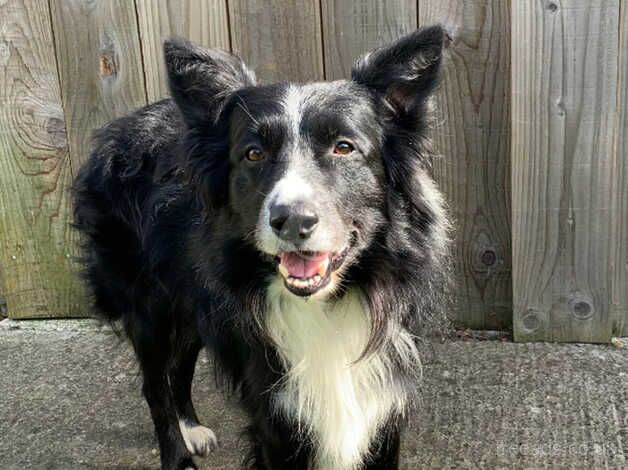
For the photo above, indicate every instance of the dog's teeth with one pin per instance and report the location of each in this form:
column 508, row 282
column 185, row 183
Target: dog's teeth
column 322, row 269
column 283, row 271
column 301, row 283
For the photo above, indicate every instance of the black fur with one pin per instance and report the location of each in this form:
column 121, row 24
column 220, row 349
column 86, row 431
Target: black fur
column 169, row 210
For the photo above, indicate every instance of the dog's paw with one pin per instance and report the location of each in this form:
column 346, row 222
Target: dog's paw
column 182, row 463
column 199, row 440
column 187, row 464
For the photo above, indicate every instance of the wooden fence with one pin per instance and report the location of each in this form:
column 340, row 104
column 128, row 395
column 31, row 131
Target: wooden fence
column 533, row 114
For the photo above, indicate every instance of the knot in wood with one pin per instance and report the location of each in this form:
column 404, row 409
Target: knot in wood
column 488, row 257
column 55, row 127
column 531, row 320
column 552, row 7
column 581, row 307
column 5, row 53
column 107, row 65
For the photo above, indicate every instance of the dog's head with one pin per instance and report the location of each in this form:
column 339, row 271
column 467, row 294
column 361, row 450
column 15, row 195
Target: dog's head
column 304, row 169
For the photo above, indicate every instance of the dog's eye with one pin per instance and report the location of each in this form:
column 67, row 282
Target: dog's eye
column 343, row 148
column 255, row 155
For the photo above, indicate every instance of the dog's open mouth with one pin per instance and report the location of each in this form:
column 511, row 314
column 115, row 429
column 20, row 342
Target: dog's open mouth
column 306, row 272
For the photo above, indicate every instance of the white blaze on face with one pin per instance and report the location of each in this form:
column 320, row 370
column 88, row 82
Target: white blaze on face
column 293, row 106
column 292, row 186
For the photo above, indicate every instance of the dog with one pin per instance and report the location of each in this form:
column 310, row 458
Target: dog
column 294, row 231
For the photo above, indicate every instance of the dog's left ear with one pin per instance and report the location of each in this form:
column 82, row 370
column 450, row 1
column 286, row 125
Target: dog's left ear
column 405, row 72
column 201, row 79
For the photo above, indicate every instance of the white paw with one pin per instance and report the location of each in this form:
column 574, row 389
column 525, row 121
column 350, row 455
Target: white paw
column 199, row 440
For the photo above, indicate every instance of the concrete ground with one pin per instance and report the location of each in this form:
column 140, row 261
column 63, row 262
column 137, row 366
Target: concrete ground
column 70, row 399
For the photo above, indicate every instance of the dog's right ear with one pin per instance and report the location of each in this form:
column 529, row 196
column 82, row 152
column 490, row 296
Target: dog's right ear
column 201, row 79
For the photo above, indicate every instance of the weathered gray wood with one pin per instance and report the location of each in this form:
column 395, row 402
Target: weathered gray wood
column 564, row 99
column 36, row 243
column 3, row 307
column 100, row 65
column 280, row 40
column 473, row 135
column 351, row 28
column 202, row 21
column 618, row 267
column 569, row 122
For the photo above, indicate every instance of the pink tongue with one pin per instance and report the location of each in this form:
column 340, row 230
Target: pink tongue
column 302, row 265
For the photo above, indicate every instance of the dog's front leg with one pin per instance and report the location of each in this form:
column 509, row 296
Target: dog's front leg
column 173, row 451
column 276, row 445
column 384, row 453
column 153, row 358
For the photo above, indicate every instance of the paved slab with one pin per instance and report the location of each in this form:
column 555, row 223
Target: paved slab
column 70, row 399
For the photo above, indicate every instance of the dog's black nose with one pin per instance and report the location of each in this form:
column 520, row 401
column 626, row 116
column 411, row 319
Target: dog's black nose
column 293, row 223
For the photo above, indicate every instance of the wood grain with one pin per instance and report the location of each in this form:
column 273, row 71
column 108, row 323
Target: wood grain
column 280, row 40
column 36, row 243
column 202, row 21
column 67, row 67
column 100, row 65
column 473, row 136
column 564, row 98
column 352, row 28
column 618, row 265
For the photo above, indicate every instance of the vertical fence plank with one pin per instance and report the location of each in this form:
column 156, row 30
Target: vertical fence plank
column 3, row 288
column 100, row 65
column 474, row 138
column 564, row 117
column 3, row 302
column 280, row 40
column 35, row 238
column 351, row 28
column 202, row 21
column 619, row 235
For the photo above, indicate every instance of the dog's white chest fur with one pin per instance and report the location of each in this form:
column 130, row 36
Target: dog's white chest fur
column 338, row 402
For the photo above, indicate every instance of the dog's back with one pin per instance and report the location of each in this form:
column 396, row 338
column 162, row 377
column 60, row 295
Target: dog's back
column 113, row 193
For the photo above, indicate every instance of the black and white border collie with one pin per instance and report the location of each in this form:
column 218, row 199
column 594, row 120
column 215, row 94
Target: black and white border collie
column 291, row 229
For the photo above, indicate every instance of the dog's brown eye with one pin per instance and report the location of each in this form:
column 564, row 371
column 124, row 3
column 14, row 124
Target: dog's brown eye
column 255, row 155
column 343, row 148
